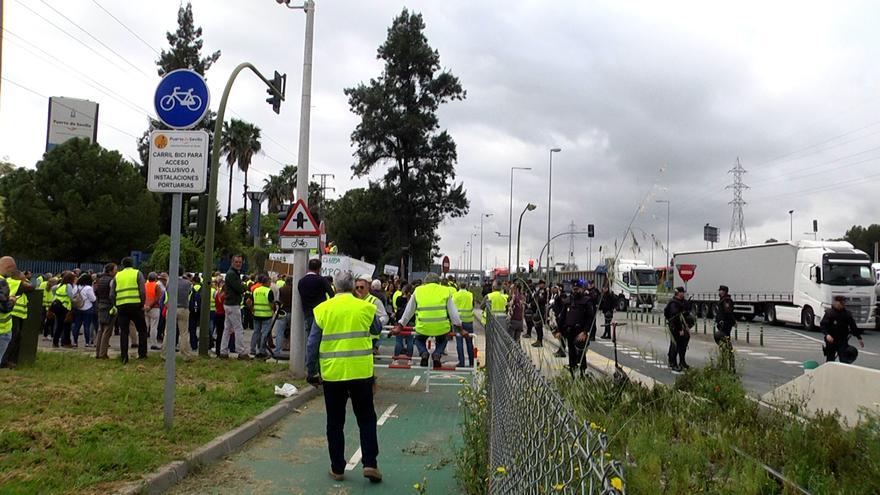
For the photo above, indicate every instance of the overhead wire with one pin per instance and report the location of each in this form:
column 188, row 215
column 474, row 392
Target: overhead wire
column 141, row 109
column 90, row 35
column 131, row 31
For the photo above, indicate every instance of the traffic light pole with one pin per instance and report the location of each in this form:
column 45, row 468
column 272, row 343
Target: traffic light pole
column 210, row 224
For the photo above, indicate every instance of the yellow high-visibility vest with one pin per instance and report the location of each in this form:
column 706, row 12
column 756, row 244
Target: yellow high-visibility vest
column 262, row 308
column 20, row 309
column 346, row 350
column 464, row 303
column 127, row 290
column 431, row 315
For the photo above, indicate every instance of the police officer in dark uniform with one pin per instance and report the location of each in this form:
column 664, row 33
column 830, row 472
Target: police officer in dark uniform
column 607, row 303
column 594, row 296
column 837, row 325
column 724, row 323
column 579, row 315
column 538, row 308
column 679, row 321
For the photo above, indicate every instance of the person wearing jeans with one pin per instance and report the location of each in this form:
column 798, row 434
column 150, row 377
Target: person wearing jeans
column 234, row 291
column 464, row 303
column 435, row 311
column 264, row 301
column 104, row 311
column 84, row 315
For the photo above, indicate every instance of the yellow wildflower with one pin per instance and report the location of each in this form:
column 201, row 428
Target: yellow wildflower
column 501, row 470
column 617, row 483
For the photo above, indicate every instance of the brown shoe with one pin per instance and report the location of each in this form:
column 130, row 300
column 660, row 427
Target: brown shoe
column 244, row 357
column 373, row 474
column 337, row 477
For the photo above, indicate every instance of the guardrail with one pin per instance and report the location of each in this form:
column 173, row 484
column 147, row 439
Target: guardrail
column 536, row 444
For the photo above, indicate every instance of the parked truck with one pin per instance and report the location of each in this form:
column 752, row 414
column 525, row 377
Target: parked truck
column 783, row 282
column 636, row 280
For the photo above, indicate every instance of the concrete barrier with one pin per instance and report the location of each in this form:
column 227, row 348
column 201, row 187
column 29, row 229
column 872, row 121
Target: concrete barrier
column 848, row 389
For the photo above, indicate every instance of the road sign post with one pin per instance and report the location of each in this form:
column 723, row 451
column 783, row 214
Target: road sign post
column 178, row 164
column 299, row 232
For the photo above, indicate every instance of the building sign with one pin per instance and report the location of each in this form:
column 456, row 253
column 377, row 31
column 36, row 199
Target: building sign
column 71, row 118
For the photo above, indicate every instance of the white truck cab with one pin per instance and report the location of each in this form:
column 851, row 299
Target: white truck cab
column 636, row 280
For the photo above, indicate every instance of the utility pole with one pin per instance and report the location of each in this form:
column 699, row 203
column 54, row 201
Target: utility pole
column 301, row 256
column 570, row 245
column 324, row 188
column 482, row 216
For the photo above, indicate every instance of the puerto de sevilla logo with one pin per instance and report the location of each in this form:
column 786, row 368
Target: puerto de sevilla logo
column 161, row 141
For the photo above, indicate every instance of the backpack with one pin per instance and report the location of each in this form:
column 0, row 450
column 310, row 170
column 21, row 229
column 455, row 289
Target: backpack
column 77, row 301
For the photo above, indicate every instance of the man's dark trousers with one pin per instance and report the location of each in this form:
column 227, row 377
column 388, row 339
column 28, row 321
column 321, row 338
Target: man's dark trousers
column 336, row 395
column 132, row 313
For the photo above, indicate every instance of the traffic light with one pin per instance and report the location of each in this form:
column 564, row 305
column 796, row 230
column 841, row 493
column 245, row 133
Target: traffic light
column 531, row 266
column 193, row 213
column 591, row 232
column 279, row 82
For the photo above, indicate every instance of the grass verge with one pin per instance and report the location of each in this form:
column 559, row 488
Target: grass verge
column 472, row 458
column 675, row 443
column 72, row 424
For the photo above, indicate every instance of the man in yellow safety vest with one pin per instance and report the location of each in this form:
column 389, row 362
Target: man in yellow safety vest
column 496, row 303
column 464, row 303
column 128, row 293
column 362, row 291
column 339, row 356
column 435, row 313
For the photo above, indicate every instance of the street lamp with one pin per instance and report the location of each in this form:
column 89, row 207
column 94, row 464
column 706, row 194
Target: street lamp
column 510, row 220
column 666, row 263
column 550, row 199
column 529, row 207
column 471, row 255
column 790, row 225
column 484, row 215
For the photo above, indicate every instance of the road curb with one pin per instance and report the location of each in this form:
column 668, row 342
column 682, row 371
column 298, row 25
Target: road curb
column 172, row 473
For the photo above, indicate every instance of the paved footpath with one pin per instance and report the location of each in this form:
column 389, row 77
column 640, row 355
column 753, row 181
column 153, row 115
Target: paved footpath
column 418, row 435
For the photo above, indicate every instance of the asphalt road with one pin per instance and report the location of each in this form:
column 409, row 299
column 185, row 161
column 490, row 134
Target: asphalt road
column 642, row 346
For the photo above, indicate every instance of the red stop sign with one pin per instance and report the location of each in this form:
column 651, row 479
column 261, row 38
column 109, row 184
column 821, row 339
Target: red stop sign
column 445, row 264
column 686, row 272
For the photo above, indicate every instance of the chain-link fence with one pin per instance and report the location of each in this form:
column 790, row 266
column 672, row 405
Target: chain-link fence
column 536, row 445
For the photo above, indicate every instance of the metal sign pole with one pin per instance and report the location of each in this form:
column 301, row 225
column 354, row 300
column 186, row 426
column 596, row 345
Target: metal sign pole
column 171, row 318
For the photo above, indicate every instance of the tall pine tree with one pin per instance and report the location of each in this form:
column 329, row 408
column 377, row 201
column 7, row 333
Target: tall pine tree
column 399, row 127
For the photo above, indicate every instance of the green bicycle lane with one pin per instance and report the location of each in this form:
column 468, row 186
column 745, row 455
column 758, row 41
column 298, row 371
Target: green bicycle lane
column 418, row 436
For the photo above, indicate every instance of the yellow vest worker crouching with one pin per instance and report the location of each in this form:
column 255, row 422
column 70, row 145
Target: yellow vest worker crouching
column 435, row 313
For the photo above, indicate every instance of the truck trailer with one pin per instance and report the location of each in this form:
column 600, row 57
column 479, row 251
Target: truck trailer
column 783, row 282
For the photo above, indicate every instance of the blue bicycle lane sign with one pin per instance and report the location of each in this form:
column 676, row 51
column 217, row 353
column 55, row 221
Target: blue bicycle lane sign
column 182, row 99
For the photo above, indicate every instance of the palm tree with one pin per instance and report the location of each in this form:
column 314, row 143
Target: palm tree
column 241, row 141
column 280, row 188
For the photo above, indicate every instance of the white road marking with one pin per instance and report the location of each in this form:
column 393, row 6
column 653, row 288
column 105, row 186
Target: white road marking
column 415, row 380
column 773, row 357
column 356, row 457
column 793, row 362
column 758, row 353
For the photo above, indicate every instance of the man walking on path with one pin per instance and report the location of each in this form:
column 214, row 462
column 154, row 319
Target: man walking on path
column 128, row 293
column 234, row 289
column 340, row 343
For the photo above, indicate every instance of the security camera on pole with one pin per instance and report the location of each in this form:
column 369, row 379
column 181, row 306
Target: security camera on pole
column 178, row 164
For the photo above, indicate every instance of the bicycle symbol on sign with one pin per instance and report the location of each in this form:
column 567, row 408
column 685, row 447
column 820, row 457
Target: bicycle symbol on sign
column 184, row 98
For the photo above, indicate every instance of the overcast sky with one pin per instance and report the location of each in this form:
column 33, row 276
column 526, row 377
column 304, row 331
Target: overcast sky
column 648, row 100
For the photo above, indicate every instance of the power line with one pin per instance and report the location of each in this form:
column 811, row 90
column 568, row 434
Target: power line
column 35, row 92
column 46, row 56
column 126, row 27
column 144, row 74
column 74, row 38
column 90, row 35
